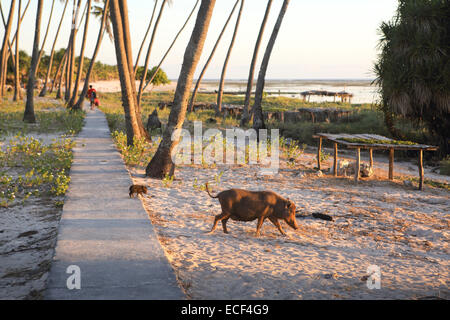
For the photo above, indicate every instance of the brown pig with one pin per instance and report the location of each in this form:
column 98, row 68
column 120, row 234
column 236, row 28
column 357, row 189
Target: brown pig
column 243, row 205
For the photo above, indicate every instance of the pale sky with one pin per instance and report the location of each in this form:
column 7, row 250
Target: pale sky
column 319, row 39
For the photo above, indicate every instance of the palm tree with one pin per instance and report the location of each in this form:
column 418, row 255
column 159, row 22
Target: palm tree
column 171, row 45
column 149, row 50
column 3, row 59
column 413, row 69
column 10, row 45
column 161, row 164
column 81, row 60
column 258, row 119
column 62, row 64
column 29, row 106
column 225, row 64
column 41, row 52
column 71, row 49
column 145, row 37
column 17, row 90
column 94, row 56
column 202, row 73
column 50, row 64
column 128, row 95
column 245, row 116
column 129, row 56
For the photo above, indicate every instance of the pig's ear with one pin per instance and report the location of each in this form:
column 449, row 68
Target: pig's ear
column 288, row 204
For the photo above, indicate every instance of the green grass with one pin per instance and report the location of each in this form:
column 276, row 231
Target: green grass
column 51, row 117
column 28, row 167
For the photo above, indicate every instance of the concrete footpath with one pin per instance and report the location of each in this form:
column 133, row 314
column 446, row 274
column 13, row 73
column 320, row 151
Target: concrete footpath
column 105, row 233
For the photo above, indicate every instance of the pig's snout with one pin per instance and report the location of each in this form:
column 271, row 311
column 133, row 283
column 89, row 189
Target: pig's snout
column 292, row 223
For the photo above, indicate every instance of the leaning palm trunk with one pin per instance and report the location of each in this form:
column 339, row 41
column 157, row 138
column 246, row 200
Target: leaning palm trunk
column 149, row 50
column 71, row 49
column 61, row 77
column 128, row 101
column 145, row 37
column 258, row 119
column 8, row 53
column 225, row 64
column 29, row 106
column 41, row 52
column 81, row 62
column 199, row 80
column 171, row 45
column 123, row 6
column 17, row 91
column 94, row 56
column 50, row 64
column 245, row 116
column 161, row 164
column 3, row 58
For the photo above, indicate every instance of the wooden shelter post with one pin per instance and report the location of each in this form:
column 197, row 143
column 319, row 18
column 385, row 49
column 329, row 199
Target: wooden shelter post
column 391, row 164
column 357, row 164
column 371, row 158
column 421, row 169
column 319, row 149
column 335, row 171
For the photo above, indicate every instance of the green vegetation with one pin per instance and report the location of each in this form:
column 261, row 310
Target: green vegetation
column 413, row 69
column 159, row 79
column 29, row 169
column 445, row 166
column 50, row 118
column 377, row 141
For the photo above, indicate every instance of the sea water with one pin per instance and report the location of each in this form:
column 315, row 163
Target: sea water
column 363, row 90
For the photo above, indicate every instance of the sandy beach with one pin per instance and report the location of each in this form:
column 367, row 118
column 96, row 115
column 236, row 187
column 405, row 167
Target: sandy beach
column 376, row 222
column 114, row 86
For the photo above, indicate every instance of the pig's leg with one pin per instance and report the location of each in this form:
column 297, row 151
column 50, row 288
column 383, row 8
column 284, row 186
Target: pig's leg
column 218, row 218
column 224, row 225
column 277, row 224
column 258, row 226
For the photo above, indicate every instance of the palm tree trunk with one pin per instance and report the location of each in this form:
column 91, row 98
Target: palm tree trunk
column 129, row 55
column 258, row 119
column 50, row 64
column 245, row 116
column 10, row 44
column 149, row 50
column 94, row 56
column 145, row 37
column 128, row 101
column 199, row 80
column 225, row 64
column 41, row 52
column 81, row 62
column 63, row 63
column 3, row 58
column 171, row 45
column 71, row 48
column 17, row 90
column 29, row 106
column 9, row 53
column 161, row 164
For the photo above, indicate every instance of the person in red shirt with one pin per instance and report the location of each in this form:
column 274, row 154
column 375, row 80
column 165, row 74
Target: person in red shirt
column 92, row 95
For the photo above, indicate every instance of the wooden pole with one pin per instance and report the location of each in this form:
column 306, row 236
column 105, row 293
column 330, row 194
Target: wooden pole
column 391, row 164
column 420, row 169
column 319, row 149
column 357, row 164
column 335, row 171
column 371, row 158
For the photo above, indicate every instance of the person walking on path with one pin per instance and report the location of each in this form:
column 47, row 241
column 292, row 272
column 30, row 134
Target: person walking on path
column 92, row 95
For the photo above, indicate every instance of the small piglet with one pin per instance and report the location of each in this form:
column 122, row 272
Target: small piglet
column 243, row 205
column 138, row 189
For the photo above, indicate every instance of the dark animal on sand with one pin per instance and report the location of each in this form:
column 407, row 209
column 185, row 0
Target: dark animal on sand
column 243, row 205
column 138, row 189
